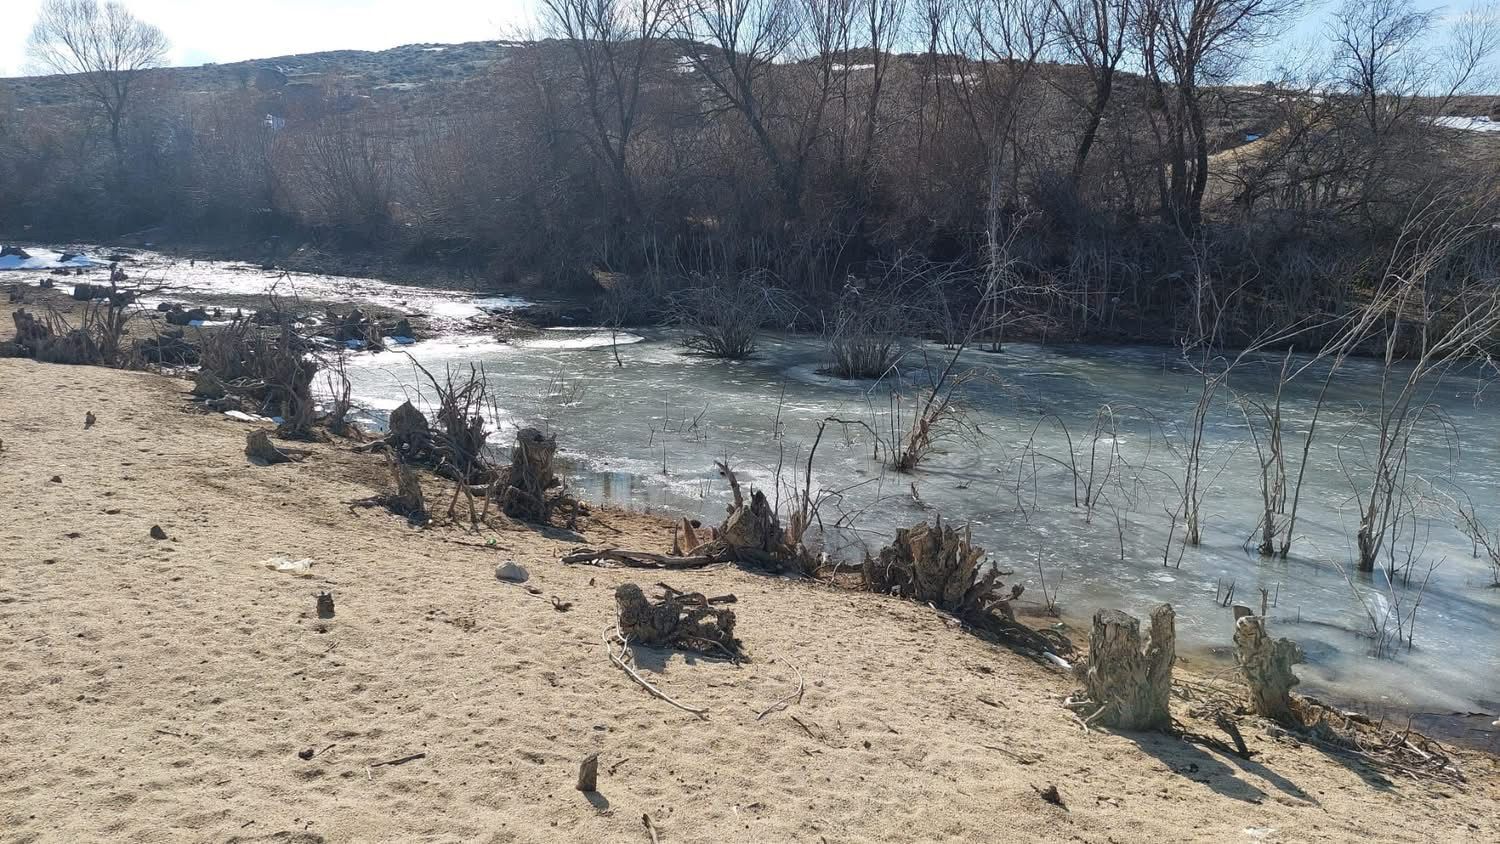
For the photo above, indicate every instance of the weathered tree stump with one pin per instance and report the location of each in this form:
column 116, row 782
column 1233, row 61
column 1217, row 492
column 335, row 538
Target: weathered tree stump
column 643, row 622
column 1267, row 666
column 408, row 500
column 258, row 447
column 1128, row 679
column 531, row 476
column 938, row 564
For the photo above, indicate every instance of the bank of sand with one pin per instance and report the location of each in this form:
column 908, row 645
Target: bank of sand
column 161, row 690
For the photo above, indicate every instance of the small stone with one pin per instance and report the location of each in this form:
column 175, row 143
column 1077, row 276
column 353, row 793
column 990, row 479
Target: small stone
column 512, row 572
column 305, row 754
column 57, row 479
column 157, row 532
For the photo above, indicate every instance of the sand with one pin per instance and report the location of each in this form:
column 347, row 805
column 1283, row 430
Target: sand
column 161, row 690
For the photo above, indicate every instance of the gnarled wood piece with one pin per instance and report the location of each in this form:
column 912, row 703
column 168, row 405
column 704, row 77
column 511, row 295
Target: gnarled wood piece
column 1131, row 679
column 939, row 565
column 1267, row 666
column 677, row 619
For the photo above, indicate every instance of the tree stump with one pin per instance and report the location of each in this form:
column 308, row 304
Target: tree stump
column 643, row 622
column 1267, row 666
column 258, row 447
column 408, row 499
column 677, row 619
column 938, row 564
column 531, row 476
column 409, row 431
column 1130, row 679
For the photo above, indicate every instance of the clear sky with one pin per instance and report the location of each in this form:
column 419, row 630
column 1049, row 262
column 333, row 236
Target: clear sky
column 232, row 30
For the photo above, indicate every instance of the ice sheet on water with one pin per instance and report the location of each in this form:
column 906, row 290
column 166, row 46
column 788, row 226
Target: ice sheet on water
column 570, row 340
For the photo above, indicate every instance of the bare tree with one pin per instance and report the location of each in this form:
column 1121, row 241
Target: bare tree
column 1094, row 35
column 1398, row 80
column 614, row 43
column 102, row 49
column 740, row 45
column 1186, row 46
column 1438, row 304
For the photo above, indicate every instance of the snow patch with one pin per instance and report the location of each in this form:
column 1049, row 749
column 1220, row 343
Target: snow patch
column 1467, row 124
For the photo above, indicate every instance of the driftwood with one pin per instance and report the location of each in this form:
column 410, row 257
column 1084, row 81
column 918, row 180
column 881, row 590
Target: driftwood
column 637, row 559
column 687, row 620
column 1267, row 666
column 1129, row 681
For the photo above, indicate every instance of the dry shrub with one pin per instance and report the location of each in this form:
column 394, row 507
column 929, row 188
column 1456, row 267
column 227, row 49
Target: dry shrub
column 273, row 371
column 463, row 400
column 867, row 333
column 722, row 319
column 97, row 340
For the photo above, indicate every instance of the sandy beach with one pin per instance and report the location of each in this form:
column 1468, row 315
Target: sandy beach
column 162, row 690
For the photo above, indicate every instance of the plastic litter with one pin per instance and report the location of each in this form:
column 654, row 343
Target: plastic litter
column 287, row 565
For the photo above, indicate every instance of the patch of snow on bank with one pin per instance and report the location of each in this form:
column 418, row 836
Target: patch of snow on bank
column 44, row 259
column 1467, row 124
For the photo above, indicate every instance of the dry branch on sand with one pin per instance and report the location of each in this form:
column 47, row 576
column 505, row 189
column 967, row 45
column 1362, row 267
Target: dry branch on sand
column 750, row 535
column 624, row 661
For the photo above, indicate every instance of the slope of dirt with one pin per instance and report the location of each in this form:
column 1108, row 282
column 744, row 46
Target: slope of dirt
column 161, row 690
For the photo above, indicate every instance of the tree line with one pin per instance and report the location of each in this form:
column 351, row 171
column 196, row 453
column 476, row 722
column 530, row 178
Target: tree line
column 1095, row 160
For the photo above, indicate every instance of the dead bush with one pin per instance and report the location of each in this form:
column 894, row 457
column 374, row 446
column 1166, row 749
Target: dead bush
column 723, row 319
column 865, row 333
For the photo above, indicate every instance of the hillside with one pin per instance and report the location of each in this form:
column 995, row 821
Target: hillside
column 353, row 71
